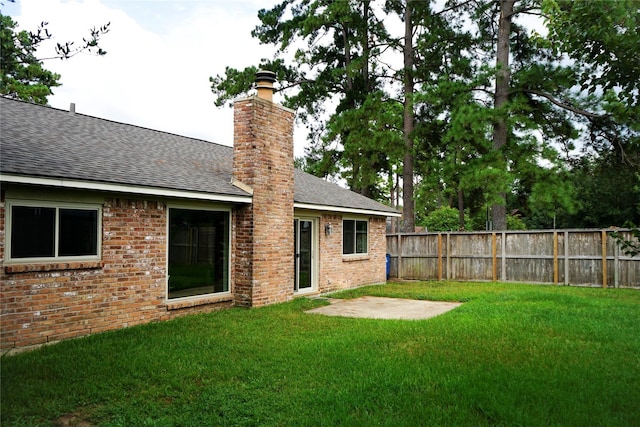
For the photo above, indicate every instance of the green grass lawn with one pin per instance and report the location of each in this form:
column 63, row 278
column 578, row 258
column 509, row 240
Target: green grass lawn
column 511, row 355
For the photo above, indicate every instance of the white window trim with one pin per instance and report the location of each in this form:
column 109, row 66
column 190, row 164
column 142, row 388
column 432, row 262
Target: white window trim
column 57, row 205
column 355, row 254
column 196, row 206
column 315, row 254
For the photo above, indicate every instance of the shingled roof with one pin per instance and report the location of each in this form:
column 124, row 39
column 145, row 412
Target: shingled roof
column 44, row 142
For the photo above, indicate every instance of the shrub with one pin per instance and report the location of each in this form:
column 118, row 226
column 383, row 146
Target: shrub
column 443, row 219
column 515, row 223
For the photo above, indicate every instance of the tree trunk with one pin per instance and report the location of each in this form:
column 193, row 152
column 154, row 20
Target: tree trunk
column 392, row 196
column 500, row 131
column 461, row 208
column 365, row 44
column 355, row 182
column 408, row 204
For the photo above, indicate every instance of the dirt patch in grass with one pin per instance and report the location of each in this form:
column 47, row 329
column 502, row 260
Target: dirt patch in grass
column 74, row 419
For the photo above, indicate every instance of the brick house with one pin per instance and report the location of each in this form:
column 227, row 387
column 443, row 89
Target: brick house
column 105, row 225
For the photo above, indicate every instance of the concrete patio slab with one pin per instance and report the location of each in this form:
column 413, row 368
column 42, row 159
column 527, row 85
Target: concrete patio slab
column 385, row 308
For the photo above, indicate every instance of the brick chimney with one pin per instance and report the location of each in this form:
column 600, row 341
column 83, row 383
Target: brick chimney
column 263, row 163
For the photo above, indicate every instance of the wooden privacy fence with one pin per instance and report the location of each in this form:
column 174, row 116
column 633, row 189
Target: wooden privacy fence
column 576, row 257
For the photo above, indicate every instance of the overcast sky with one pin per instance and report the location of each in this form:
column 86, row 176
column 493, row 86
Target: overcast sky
column 160, row 55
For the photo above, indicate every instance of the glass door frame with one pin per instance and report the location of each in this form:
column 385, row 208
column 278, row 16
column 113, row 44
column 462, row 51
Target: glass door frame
column 314, row 249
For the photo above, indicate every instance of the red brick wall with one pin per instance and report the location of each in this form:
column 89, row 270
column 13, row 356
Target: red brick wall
column 242, row 268
column 263, row 160
column 49, row 302
column 338, row 271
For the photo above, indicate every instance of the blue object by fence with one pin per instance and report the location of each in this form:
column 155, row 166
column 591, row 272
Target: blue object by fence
column 388, row 265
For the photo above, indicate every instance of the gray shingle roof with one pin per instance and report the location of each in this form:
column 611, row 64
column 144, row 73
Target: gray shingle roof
column 38, row 141
column 312, row 190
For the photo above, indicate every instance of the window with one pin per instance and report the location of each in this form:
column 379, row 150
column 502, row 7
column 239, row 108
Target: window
column 51, row 232
column 354, row 236
column 198, row 252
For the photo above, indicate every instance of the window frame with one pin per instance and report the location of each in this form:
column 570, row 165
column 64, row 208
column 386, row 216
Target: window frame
column 315, row 253
column 200, row 207
column 355, row 236
column 57, row 205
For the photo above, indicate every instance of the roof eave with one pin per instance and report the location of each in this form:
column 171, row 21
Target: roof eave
column 123, row 188
column 358, row 211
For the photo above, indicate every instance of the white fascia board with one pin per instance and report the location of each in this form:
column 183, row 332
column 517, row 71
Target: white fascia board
column 121, row 188
column 345, row 210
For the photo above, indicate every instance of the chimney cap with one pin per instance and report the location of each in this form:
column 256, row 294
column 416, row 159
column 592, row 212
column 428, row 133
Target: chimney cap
column 264, row 84
column 265, row 76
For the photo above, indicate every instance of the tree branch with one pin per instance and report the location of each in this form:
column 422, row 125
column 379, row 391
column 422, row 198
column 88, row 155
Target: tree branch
column 528, row 12
column 523, row 10
column 455, row 6
column 564, row 105
column 293, row 84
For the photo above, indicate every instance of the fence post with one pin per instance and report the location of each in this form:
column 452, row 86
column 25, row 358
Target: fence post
column 616, row 266
column 555, row 257
column 604, row 258
column 566, row 257
column 503, row 276
column 494, row 259
column 400, row 256
column 448, row 256
column 439, row 256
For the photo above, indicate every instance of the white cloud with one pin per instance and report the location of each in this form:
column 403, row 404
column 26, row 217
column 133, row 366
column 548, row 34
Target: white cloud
column 160, row 56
